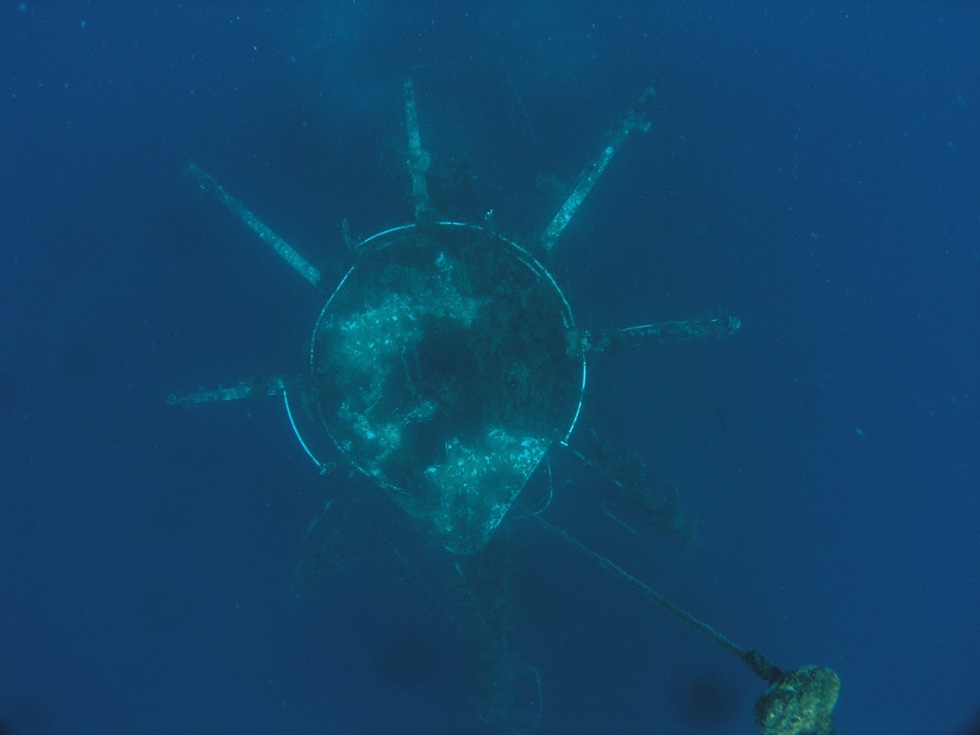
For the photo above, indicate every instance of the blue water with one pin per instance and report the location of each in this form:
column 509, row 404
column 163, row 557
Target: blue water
column 811, row 168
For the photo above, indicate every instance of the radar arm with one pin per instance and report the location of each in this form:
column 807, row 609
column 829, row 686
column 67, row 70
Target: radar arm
column 611, row 340
column 418, row 157
column 590, row 175
column 209, row 186
column 254, row 388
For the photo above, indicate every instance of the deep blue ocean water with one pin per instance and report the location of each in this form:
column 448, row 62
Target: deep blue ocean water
column 813, row 168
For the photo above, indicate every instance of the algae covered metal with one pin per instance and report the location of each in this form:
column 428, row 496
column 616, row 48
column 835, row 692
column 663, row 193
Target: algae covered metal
column 447, row 362
column 441, row 372
column 445, row 367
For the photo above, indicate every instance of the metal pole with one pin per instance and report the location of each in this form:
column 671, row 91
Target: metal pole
column 283, row 248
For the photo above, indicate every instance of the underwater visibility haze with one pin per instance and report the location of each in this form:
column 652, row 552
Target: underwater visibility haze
column 564, row 302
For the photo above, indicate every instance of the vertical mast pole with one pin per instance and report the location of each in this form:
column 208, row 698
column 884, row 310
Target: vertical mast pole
column 418, row 157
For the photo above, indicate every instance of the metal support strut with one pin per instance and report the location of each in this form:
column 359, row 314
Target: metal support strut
column 612, row 340
column 283, row 248
column 594, row 170
column 418, row 157
column 256, row 388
